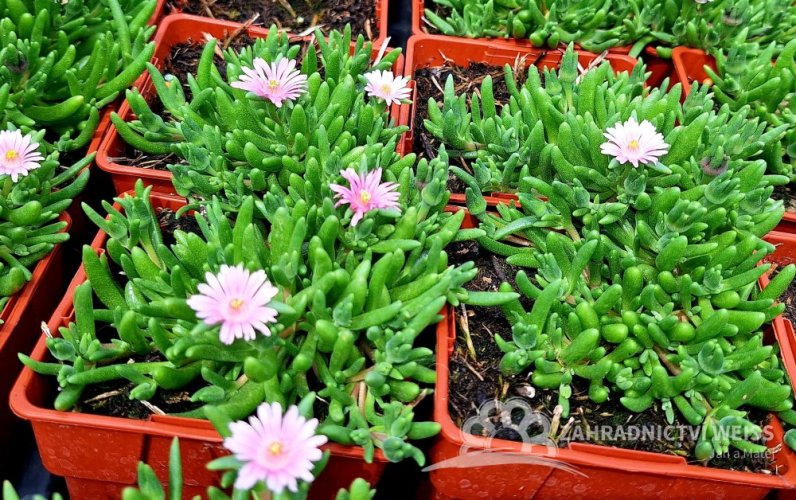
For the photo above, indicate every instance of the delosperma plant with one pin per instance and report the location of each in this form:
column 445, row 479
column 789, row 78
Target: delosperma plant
column 320, row 306
column 150, row 488
column 557, row 124
column 747, row 76
column 651, row 327
column 34, row 194
column 62, row 62
column 598, row 25
column 639, row 225
column 271, row 119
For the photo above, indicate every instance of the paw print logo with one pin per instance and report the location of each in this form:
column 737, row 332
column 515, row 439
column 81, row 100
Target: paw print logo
column 496, row 419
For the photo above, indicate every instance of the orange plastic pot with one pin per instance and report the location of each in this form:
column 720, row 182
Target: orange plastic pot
column 174, row 30
column 426, row 51
column 600, row 471
column 98, row 455
column 788, row 223
column 20, row 318
column 784, row 254
column 689, row 66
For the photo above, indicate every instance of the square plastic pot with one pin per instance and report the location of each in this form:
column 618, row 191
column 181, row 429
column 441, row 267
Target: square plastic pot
column 537, row 471
column 98, row 455
column 689, row 66
column 784, row 254
column 174, row 30
column 426, row 51
column 21, row 317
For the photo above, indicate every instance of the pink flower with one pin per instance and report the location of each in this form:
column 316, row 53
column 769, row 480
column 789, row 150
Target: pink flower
column 274, row 448
column 385, row 85
column 634, row 142
column 366, row 193
column 277, row 82
column 18, row 154
column 238, row 300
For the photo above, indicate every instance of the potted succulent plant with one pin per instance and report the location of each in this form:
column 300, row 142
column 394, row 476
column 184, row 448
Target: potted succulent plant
column 599, row 328
column 57, row 75
column 33, row 222
column 337, row 326
column 340, row 70
column 598, row 26
column 571, row 122
column 736, row 77
column 431, row 60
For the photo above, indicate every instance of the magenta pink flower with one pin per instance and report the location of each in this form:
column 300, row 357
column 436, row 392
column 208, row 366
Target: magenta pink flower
column 274, row 448
column 634, row 142
column 277, row 82
column 366, row 193
column 388, row 87
column 238, row 301
column 18, row 154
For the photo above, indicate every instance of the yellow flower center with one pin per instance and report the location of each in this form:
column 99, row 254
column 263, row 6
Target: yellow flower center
column 386, row 89
column 11, row 154
column 364, row 196
column 273, row 83
column 633, row 145
column 236, row 304
column 275, row 449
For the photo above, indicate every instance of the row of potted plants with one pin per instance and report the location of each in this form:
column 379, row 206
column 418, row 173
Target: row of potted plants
column 622, row 26
column 58, row 72
column 262, row 142
column 346, row 293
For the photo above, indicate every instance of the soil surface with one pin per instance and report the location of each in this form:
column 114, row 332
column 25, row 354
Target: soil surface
column 305, row 15
column 476, row 379
column 787, row 195
column 430, row 82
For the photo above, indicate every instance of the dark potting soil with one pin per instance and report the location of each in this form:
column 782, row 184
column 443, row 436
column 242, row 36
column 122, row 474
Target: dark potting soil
column 430, row 82
column 475, row 379
column 787, row 195
column 360, row 14
column 113, row 398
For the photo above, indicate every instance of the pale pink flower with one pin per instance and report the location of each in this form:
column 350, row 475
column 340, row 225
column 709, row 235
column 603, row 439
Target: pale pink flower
column 18, row 154
column 388, row 87
column 277, row 82
column 237, row 300
column 366, row 193
column 274, row 448
column 634, row 142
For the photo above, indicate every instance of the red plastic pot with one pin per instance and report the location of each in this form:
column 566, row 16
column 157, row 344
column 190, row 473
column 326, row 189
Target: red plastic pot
column 609, row 472
column 175, row 29
column 784, row 254
column 426, row 51
column 21, row 318
column 689, row 66
column 788, row 223
column 98, row 455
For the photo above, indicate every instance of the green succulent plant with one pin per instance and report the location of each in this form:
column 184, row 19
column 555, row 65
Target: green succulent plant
column 236, row 146
column 552, row 128
column 62, row 62
column 150, row 488
column 29, row 212
column 747, row 76
column 353, row 301
column 598, row 25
